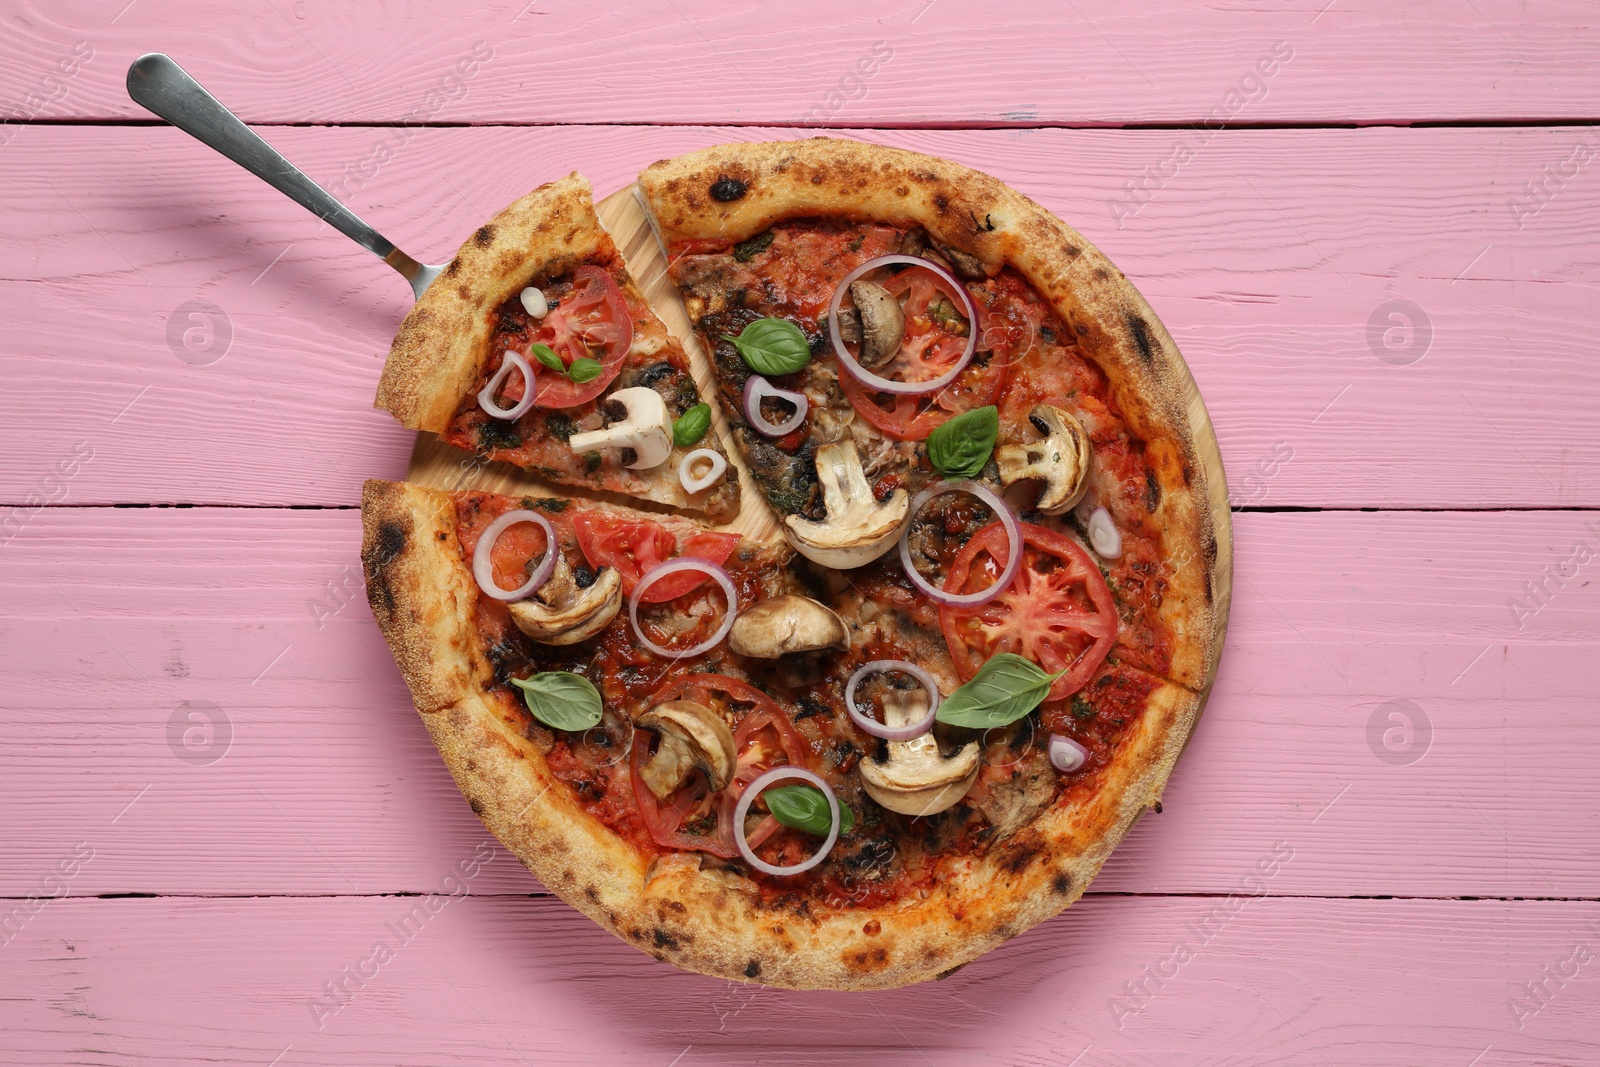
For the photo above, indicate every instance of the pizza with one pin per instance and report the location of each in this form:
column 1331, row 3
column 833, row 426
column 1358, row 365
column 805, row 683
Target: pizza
column 535, row 347
column 914, row 720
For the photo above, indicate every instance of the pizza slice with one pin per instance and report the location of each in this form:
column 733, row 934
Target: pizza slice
column 881, row 321
column 654, row 765
column 536, row 347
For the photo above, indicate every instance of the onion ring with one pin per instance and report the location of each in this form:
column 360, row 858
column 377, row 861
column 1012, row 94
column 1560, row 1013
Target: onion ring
column 483, row 566
column 675, row 566
column 509, row 361
column 1013, row 542
column 889, row 385
column 702, row 482
column 873, row 726
column 757, row 389
column 1066, row 755
column 751, row 791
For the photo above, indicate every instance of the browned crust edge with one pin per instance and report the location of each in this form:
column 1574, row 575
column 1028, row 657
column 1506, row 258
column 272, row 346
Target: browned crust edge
column 421, row 593
column 437, row 352
column 980, row 215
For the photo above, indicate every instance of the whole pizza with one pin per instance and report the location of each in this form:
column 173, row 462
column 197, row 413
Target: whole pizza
column 914, row 719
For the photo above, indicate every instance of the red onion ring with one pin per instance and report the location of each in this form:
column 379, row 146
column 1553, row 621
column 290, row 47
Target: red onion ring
column 753, row 790
column 483, row 567
column 676, row 566
column 889, row 385
column 878, row 729
column 757, row 389
column 700, row 482
column 1066, row 755
column 1013, row 542
column 509, row 361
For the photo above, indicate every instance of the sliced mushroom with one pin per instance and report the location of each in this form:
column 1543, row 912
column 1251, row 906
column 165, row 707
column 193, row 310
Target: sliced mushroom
column 783, row 624
column 692, row 735
column 964, row 264
column 644, row 428
column 917, row 779
column 1061, row 460
column 883, row 324
column 562, row 612
column 859, row 527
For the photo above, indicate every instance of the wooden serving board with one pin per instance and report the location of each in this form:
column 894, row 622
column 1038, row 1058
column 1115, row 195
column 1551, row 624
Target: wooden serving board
column 441, row 466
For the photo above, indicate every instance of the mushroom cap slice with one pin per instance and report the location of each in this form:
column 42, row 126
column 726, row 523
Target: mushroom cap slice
column 1061, row 460
column 883, row 323
column 645, row 428
column 782, row 624
column 561, row 613
column 692, row 735
column 917, row 779
column 859, row 528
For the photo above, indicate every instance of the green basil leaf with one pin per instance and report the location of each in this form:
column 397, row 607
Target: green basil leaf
column 561, row 700
column 584, row 369
column 803, row 807
column 745, row 251
column 546, row 355
column 691, row 425
column 772, row 346
column 1005, row 689
column 961, row 447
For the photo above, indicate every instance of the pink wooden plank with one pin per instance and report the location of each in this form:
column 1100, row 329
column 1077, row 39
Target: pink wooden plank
column 1303, row 983
column 911, row 62
column 1276, row 258
column 121, row 623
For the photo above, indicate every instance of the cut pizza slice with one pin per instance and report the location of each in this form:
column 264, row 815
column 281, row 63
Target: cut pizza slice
column 880, row 320
column 646, row 745
column 537, row 348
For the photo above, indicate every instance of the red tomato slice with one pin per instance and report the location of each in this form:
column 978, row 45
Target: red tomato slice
column 763, row 738
column 1058, row 611
column 590, row 322
column 928, row 351
column 633, row 546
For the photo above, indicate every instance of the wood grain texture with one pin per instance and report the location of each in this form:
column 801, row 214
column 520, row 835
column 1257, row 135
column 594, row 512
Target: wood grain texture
column 326, row 783
column 509, row 980
column 1268, row 285
column 834, row 62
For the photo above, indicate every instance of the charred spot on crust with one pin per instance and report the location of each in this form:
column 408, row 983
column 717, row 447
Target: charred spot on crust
column 752, row 968
column 664, row 939
column 592, row 894
column 942, row 975
column 1152, row 491
column 476, row 805
column 1141, row 338
column 1061, row 883
column 483, row 237
column 726, row 190
column 390, row 543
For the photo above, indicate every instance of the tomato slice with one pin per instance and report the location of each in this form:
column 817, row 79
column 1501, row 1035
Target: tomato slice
column 763, row 739
column 928, row 351
column 590, row 322
column 1057, row 612
column 633, row 546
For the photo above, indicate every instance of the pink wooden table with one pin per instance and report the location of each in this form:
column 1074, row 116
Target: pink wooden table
column 215, row 798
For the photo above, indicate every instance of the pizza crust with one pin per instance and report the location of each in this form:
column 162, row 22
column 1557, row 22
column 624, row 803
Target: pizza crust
column 438, row 351
column 709, row 919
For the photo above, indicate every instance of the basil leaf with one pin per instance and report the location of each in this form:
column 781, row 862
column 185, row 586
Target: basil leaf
column 584, row 369
column 961, row 447
column 561, row 700
column 691, row 425
column 1005, row 689
column 546, row 355
column 803, row 807
column 772, row 346
column 745, row 251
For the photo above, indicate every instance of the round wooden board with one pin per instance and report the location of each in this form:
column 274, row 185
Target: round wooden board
column 441, row 466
